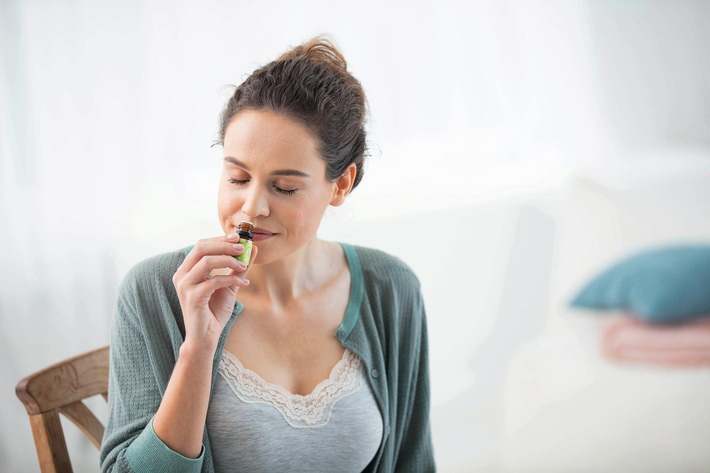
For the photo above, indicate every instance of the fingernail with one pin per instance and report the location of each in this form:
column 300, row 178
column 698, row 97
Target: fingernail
column 232, row 236
column 242, row 265
column 238, row 246
column 246, row 281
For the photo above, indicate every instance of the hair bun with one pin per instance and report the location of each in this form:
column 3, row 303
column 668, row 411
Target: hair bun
column 311, row 84
column 319, row 50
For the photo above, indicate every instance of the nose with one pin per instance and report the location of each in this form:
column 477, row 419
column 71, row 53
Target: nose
column 255, row 203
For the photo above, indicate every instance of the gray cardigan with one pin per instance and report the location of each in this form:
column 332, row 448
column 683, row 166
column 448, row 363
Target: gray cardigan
column 388, row 332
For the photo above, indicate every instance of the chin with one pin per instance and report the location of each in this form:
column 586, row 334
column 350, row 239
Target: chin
column 272, row 252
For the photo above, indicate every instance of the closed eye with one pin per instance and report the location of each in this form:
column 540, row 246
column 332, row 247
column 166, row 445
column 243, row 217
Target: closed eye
column 241, row 182
column 285, row 191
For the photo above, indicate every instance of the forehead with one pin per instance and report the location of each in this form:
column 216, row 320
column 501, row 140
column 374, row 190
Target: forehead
column 264, row 137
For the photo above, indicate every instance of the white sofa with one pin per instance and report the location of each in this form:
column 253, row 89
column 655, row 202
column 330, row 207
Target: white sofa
column 567, row 409
column 518, row 383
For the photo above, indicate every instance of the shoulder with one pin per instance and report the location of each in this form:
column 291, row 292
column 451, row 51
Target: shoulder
column 147, row 299
column 391, row 288
column 152, row 274
column 392, row 297
column 383, row 268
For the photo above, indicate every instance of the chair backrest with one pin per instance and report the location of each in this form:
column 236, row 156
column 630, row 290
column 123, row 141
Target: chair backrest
column 61, row 388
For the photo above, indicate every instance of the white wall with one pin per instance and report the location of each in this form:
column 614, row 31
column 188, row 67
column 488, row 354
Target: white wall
column 108, row 110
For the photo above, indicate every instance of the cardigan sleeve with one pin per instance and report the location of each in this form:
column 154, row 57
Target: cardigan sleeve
column 130, row 443
column 416, row 452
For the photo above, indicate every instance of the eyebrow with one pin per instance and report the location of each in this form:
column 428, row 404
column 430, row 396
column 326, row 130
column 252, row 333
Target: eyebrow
column 279, row 172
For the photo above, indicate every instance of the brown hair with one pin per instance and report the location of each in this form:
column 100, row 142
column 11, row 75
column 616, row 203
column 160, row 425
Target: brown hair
column 311, row 84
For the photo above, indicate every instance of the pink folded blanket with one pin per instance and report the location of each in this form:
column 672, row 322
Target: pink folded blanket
column 628, row 339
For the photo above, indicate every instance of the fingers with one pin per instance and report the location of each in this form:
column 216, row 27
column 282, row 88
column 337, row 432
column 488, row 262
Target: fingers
column 244, row 272
column 206, row 298
column 203, row 291
column 197, row 285
column 211, row 246
column 203, row 269
column 199, row 297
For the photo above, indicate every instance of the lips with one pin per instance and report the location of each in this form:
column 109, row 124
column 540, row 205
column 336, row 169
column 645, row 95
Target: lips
column 261, row 234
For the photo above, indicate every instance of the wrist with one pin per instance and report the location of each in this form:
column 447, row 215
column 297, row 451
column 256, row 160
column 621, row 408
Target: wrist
column 198, row 351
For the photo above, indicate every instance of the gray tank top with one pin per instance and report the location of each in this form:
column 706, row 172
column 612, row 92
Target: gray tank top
column 256, row 426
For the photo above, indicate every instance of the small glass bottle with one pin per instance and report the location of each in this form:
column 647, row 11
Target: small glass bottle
column 245, row 238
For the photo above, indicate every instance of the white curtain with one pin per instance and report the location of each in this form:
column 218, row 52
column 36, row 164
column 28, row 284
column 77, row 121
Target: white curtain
column 108, row 111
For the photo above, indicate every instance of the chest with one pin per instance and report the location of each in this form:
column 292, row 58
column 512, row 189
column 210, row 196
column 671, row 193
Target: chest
column 307, row 433
column 294, row 348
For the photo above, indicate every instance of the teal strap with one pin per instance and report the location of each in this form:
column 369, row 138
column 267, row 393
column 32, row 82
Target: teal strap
column 357, row 288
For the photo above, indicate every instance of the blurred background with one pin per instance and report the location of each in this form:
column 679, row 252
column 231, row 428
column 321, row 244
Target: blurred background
column 546, row 138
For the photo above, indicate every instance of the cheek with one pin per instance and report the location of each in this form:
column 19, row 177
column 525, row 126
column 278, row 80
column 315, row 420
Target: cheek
column 226, row 201
column 306, row 219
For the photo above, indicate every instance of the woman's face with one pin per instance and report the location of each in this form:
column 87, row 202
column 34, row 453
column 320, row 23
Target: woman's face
column 273, row 176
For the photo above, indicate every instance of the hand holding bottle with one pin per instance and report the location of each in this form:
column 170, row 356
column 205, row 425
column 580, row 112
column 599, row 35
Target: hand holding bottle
column 207, row 300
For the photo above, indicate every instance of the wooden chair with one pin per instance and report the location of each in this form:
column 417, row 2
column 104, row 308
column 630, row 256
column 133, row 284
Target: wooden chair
column 60, row 389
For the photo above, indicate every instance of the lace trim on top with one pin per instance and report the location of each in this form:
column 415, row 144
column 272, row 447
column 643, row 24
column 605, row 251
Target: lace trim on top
column 311, row 410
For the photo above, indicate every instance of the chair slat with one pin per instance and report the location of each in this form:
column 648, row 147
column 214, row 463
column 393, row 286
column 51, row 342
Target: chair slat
column 82, row 417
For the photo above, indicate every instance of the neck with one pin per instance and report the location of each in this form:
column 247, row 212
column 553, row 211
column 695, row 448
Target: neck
column 300, row 272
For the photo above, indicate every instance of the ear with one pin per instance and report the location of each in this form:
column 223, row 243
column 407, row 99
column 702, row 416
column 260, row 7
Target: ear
column 343, row 185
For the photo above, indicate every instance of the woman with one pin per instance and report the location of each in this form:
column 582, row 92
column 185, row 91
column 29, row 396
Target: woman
column 311, row 358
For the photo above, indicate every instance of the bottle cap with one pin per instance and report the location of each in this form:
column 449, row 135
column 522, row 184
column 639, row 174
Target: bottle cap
column 245, row 226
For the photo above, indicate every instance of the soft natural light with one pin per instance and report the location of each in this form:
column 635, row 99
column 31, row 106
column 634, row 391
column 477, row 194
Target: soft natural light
column 511, row 124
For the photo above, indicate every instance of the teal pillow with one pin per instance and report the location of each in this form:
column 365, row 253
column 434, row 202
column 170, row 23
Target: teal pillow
column 663, row 285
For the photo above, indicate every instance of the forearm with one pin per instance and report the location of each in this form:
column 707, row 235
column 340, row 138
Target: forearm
column 180, row 419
